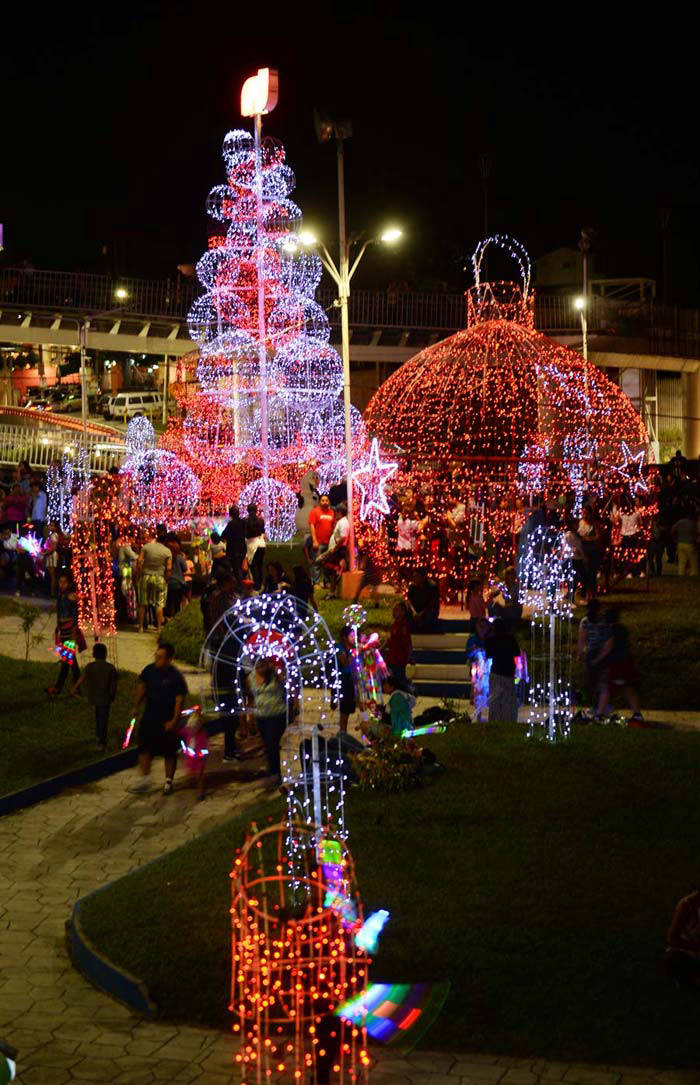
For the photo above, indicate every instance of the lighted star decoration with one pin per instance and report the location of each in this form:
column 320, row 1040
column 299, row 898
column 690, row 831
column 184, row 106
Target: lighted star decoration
column 631, row 469
column 371, row 480
column 579, row 450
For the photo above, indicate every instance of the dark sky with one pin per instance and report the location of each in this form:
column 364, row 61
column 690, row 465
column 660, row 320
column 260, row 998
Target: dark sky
column 113, row 121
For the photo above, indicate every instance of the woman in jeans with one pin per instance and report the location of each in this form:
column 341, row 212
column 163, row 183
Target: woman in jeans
column 269, row 699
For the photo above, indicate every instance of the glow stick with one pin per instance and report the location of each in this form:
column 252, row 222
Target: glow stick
column 431, row 729
column 129, row 732
column 367, row 937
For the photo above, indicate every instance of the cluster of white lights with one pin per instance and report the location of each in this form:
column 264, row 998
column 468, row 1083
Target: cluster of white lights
column 260, row 254
column 157, row 486
column 301, row 649
column 547, row 582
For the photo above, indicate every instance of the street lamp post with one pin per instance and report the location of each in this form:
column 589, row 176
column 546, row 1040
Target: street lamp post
column 83, row 326
column 342, row 276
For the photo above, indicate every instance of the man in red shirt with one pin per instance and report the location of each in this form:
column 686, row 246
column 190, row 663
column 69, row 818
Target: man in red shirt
column 321, row 524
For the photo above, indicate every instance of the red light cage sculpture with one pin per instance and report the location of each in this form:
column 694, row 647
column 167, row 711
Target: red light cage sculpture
column 496, row 413
column 295, row 960
column 98, row 514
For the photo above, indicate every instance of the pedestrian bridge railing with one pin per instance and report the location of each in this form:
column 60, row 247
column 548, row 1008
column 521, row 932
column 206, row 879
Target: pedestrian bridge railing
column 42, row 444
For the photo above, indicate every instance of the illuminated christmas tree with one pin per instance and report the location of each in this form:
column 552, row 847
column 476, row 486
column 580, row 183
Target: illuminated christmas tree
column 269, row 404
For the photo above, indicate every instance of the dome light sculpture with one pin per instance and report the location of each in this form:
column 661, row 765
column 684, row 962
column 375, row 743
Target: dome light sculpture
column 509, row 410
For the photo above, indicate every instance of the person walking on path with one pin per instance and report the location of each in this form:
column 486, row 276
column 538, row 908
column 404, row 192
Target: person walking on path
column 153, row 572
column 502, row 649
column 163, row 688
column 685, row 536
column 100, row 681
column 269, row 699
column 68, row 637
column 234, row 537
column 255, row 544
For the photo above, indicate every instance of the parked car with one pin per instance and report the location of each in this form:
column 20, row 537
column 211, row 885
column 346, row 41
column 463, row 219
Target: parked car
column 41, row 403
column 124, row 405
column 70, row 403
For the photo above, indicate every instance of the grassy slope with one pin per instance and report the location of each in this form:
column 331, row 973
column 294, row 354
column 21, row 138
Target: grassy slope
column 539, row 880
column 664, row 625
column 40, row 737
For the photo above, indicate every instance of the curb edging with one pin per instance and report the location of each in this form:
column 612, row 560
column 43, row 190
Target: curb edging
column 101, row 972
column 86, row 774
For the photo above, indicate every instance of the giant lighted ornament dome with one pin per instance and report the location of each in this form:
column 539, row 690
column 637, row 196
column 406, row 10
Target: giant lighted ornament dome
column 517, row 411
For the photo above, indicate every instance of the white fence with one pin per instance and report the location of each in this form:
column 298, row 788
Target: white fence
column 42, row 446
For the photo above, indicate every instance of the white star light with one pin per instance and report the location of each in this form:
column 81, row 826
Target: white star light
column 631, row 469
column 371, row 479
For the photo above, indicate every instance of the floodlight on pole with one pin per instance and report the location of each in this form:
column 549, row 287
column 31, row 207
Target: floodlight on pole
column 121, row 293
column 391, row 235
column 579, row 303
column 259, row 95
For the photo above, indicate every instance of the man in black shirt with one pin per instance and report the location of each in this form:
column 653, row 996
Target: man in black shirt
column 234, row 537
column 164, row 689
column 502, row 649
column 424, row 603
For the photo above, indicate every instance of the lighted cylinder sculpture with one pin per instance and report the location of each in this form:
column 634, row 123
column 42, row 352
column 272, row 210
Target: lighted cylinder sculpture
column 295, row 960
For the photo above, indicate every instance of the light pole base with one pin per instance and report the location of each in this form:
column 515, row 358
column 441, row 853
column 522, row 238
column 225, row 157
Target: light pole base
column 350, row 584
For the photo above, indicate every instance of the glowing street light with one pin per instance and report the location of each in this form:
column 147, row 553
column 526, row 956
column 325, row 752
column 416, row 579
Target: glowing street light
column 579, row 303
column 341, row 276
column 121, row 293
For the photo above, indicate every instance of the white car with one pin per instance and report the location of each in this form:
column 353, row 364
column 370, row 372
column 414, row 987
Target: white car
column 125, row 405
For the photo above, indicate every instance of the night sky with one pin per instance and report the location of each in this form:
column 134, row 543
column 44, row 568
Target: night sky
column 113, row 118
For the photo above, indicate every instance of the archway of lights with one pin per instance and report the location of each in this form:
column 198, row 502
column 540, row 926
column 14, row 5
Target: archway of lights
column 268, row 398
column 499, row 412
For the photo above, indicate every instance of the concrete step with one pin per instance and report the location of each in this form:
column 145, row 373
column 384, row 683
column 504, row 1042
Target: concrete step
column 437, row 672
column 439, row 641
column 435, row 655
column 456, row 690
column 455, row 625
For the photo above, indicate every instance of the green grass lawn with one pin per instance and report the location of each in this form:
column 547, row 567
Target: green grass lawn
column 42, row 737
column 539, row 880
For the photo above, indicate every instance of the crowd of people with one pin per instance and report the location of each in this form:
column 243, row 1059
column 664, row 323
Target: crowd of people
column 457, row 530
column 430, row 532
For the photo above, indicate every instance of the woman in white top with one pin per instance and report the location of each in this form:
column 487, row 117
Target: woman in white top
column 407, row 531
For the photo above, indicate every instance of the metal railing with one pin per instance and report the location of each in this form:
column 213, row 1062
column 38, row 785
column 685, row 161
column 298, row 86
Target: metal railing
column 42, row 446
column 663, row 329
